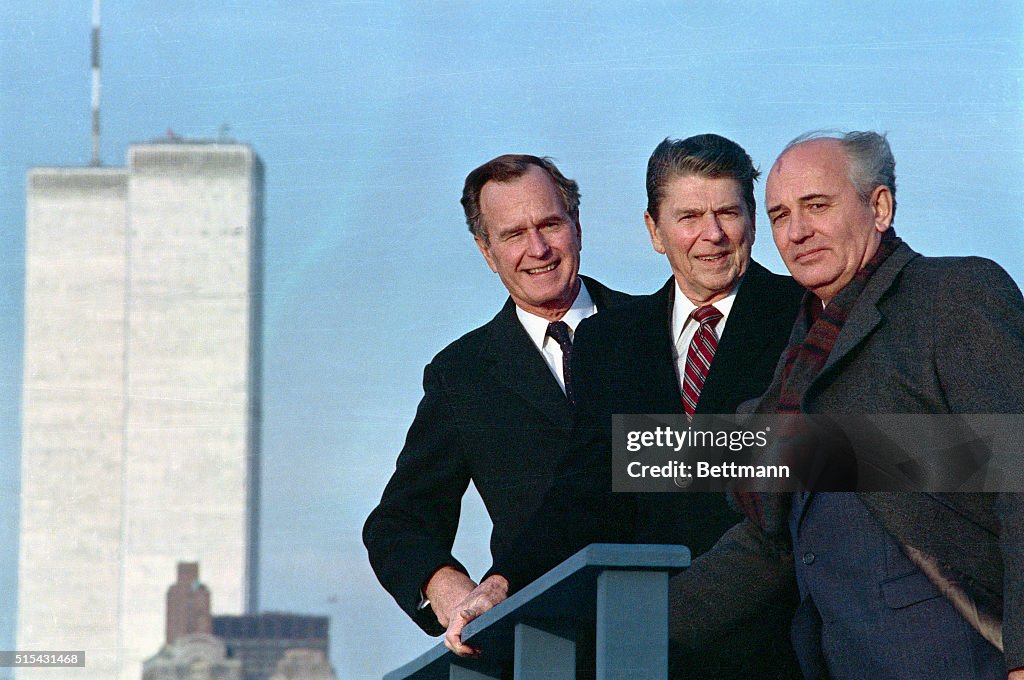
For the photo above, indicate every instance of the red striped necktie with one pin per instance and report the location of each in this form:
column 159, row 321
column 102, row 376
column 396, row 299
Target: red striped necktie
column 699, row 356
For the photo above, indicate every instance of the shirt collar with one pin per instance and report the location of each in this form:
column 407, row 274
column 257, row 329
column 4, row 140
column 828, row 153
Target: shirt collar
column 682, row 308
column 537, row 326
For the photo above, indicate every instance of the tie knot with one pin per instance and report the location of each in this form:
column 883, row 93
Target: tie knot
column 707, row 315
column 559, row 330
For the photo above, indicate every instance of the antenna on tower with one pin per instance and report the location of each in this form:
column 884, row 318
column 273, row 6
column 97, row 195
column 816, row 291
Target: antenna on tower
column 96, row 82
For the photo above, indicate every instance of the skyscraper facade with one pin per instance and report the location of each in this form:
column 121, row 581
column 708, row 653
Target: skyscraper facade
column 140, row 411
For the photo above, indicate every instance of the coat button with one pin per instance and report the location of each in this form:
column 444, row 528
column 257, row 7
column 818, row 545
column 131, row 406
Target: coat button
column 808, row 558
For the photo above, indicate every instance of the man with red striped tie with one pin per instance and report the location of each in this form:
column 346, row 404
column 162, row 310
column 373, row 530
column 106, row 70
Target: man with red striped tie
column 706, row 341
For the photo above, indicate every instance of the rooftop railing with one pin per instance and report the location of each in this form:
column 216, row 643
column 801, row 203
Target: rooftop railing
column 611, row 597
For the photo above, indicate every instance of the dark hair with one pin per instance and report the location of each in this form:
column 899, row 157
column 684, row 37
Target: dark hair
column 509, row 167
column 870, row 162
column 707, row 155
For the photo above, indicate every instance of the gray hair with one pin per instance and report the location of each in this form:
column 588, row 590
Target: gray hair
column 871, row 163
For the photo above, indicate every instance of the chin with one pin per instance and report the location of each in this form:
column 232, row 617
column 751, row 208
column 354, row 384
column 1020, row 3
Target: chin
column 721, row 284
column 549, row 295
column 812, row 286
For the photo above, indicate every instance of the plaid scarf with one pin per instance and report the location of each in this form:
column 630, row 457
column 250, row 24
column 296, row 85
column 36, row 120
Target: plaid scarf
column 805, row 359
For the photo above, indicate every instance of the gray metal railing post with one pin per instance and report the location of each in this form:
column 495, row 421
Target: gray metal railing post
column 457, row 672
column 545, row 650
column 632, row 625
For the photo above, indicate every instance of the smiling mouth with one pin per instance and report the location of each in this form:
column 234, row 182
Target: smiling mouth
column 542, row 270
column 712, row 258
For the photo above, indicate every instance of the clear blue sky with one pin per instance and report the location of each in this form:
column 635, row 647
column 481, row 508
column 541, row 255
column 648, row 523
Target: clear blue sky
column 368, row 115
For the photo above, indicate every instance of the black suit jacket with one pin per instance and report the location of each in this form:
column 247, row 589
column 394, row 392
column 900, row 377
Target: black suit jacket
column 623, row 363
column 491, row 412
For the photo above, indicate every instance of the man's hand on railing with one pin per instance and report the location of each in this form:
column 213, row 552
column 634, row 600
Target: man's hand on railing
column 490, row 592
column 445, row 590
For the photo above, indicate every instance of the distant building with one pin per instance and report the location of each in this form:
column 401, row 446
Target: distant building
column 141, row 402
column 303, row 664
column 261, row 642
column 191, row 650
column 196, row 656
column 188, row 604
column 272, row 646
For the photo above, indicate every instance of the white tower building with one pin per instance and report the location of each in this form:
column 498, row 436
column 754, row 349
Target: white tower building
column 141, row 397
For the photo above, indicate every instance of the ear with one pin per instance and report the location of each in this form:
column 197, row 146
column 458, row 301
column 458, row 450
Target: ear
column 579, row 236
column 881, row 205
column 485, row 250
column 652, row 229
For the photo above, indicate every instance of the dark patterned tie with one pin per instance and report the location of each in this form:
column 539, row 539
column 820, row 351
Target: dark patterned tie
column 559, row 330
column 698, row 358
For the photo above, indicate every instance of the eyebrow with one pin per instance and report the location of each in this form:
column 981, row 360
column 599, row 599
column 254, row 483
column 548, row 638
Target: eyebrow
column 735, row 205
column 553, row 218
column 700, row 210
column 802, row 199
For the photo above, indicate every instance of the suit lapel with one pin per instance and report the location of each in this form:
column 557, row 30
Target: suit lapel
column 514, row 361
column 657, row 372
column 862, row 321
column 865, row 317
column 601, row 294
column 744, row 340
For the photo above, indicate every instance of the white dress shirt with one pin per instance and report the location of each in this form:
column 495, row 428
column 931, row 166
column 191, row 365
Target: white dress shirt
column 537, row 328
column 684, row 327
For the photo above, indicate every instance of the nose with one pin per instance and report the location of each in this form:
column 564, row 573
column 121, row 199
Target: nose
column 712, row 230
column 799, row 227
column 538, row 245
